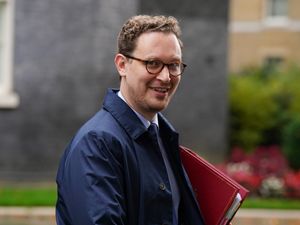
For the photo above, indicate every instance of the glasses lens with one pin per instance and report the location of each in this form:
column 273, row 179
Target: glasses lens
column 154, row 66
column 175, row 69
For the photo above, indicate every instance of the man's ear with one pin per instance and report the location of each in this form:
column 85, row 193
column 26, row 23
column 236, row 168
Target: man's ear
column 120, row 62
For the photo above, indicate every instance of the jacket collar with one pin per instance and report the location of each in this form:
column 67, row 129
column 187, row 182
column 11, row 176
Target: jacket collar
column 128, row 118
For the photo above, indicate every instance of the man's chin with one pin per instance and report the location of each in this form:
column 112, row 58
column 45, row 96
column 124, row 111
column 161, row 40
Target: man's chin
column 159, row 107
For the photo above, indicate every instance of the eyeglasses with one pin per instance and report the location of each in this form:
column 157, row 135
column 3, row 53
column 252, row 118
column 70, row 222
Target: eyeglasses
column 156, row 66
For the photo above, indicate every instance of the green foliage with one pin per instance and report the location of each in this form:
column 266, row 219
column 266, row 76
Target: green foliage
column 27, row 196
column 276, row 203
column 291, row 143
column 251, row 110
column 261, row 104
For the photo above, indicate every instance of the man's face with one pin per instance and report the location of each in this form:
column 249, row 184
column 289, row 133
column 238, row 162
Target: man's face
column 150, row 93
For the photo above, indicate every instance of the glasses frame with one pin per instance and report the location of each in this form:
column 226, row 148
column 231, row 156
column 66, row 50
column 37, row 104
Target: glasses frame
column 146, row 62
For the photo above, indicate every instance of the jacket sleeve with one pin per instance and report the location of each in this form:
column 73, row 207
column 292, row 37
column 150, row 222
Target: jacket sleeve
column 92, row 184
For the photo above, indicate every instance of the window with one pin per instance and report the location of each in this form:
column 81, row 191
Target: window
column 8, row 99
column 272, row 63
column 276, row 13
column 277, row 8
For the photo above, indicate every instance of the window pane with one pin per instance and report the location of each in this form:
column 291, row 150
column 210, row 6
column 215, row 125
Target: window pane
column 278, row 8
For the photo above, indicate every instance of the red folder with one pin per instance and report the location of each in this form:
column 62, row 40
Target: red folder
column 219, row 197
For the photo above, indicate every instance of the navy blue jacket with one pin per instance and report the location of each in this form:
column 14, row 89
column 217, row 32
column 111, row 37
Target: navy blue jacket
column 110, row 174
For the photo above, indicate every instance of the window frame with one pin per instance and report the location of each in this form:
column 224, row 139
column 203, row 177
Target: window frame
column 8, row 98
column 272, row 62
column 275, row 20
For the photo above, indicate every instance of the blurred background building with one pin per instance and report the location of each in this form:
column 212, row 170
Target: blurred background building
column 263, row 33
column 56, row 62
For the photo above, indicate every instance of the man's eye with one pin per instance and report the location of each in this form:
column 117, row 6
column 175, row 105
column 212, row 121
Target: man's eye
column 174, row 66
column 154, row 64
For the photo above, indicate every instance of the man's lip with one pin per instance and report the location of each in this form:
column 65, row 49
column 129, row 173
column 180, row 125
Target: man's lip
column 161, row 89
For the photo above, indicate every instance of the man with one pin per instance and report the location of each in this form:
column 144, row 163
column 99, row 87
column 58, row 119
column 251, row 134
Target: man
column 119, row 169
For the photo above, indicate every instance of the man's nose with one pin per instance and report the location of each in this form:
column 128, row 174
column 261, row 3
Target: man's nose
column 164, row 74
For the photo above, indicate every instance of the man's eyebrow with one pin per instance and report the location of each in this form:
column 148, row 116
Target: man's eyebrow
column 154, row 58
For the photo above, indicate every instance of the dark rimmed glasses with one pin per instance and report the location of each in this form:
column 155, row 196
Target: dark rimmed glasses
column 156, row 66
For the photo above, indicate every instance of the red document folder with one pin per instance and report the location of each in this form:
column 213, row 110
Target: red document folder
column 218, row 196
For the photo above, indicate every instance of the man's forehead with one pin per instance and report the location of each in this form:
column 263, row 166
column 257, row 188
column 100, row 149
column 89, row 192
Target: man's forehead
column 152, row 43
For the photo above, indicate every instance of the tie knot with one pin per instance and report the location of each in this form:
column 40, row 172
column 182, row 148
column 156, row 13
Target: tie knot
column 153, row 130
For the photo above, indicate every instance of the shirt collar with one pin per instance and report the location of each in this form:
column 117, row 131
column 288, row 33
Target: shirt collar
column 141, row 117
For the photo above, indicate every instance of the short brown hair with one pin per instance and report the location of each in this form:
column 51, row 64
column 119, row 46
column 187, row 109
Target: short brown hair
column 140, row 24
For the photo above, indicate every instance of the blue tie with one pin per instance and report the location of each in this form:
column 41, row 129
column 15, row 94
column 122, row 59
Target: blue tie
column 154, row 132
